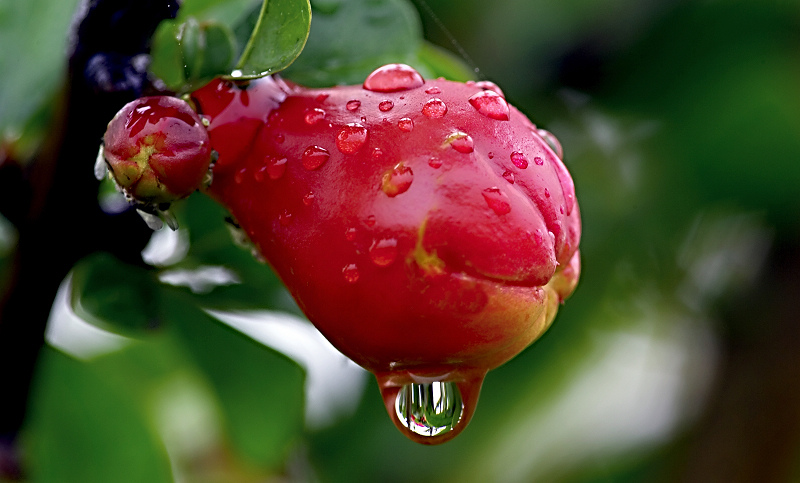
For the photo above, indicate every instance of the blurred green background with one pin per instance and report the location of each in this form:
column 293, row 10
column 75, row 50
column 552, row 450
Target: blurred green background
column 677, row 358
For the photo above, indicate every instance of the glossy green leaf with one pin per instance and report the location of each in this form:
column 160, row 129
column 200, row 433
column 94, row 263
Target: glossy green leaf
column 260, row 391
column 227, row 12
column 189, row 54
column 167, row 55
column 114, row 296
column 83, row 427
column 279, row 33
column 208, row 50
column 349, row 39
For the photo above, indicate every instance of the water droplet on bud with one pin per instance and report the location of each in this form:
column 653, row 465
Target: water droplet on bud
column 276, row 167
column 491, row 105
column 490, row 86
column 350, row 234
column 313, row 116
column 353, row 105
column 285, row 218
column 370, row 221
column 405, row 124
column 308, row 198
column 551, row 141
column 519, row 160
column 538, row 161
column 238, row 178
column 433, row 90
column 383, row 252
column 350, row 273
column 435, row 162
column 260, row 173
column 509, row 176
column 393, row 78
column 385, row 106
column 314, row 157
column 397, row 180
column 497, row 200
column 461, row 142
column 435, row 108
column 351, row 137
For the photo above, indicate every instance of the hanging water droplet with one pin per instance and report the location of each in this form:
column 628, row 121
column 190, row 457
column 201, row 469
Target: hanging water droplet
column 461, row 142
column 313, row 116
column 353, row 105
column 276, row 167
column 435, row 108
column 519, row 160
column 314, row 157
column 429, row 409
column 405, row 124
column 383, row 252
column 397, row 180
column 551, row 141
column 385, row 106
column 350, row 273
column 538, row 161
column 497, row 200
column 351, row 137
column 433, row 90
column 491, row 105
column 393, row 78
column 509, row 176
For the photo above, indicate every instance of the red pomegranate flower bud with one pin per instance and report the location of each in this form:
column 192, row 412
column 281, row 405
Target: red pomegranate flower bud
column 427, row 228
column 157, row 150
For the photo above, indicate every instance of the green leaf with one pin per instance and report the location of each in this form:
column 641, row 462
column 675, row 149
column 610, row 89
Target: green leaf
column 350, row 39
column 83, row 428
column 167, row 55
column 260, row 390
column 227, row 12
column 437, row 62
column 189, row 54
column 114, row 296
column 32, row 64
column 211, row 244
column 279, row 33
